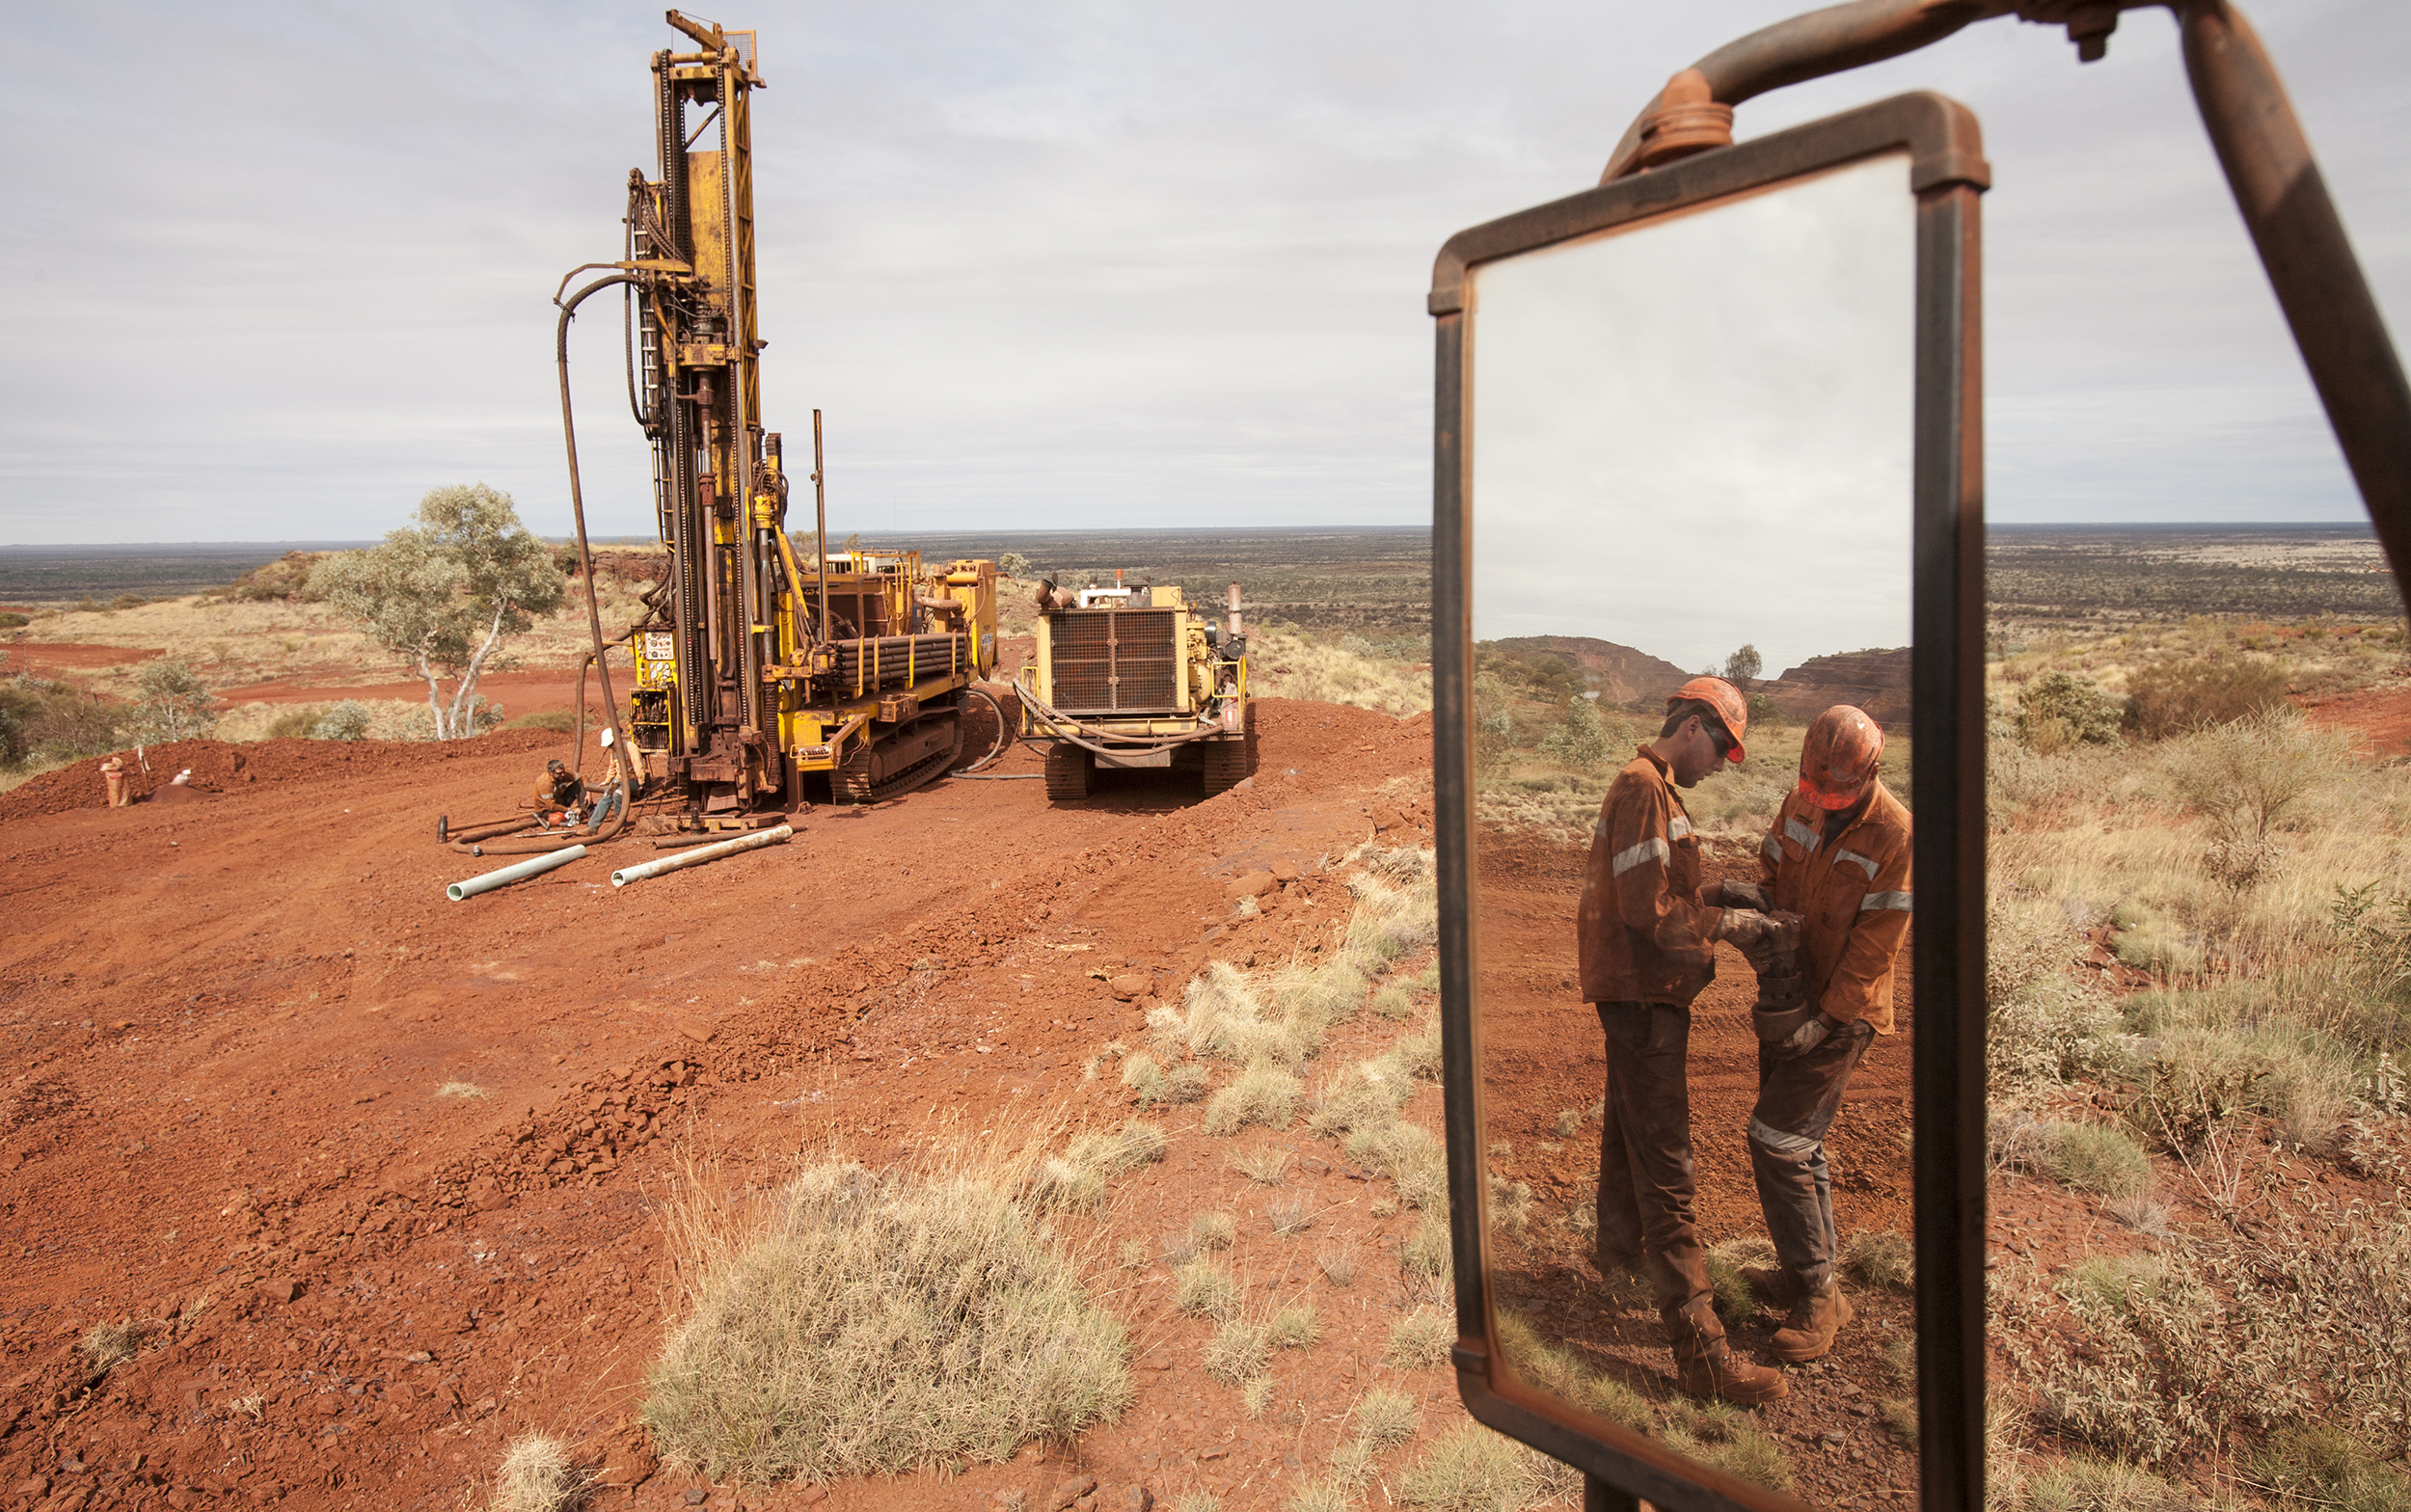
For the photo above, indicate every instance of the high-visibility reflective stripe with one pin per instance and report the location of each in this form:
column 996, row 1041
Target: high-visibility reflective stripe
column 1798, row 1147
column 1773, row 849
column 1856, row 859
column 1794, row 830
column 1634, row 856
column 1679, row 828
column 1899, row 901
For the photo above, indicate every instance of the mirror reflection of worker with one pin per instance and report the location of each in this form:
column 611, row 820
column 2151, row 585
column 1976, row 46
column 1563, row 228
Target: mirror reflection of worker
column 1839, row 854
column 1647, row 949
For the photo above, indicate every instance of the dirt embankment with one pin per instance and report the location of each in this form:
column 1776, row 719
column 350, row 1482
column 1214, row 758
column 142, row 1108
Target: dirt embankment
column 374, row 1173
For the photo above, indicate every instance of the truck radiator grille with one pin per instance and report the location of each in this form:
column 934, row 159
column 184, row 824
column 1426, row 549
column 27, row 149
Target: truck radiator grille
column 1117, row 661
column 885, row 661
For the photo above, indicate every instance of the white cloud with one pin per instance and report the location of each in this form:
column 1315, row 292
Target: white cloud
column 279, row 270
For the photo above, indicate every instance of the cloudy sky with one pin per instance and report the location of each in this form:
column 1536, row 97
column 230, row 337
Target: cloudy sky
column 277, row 269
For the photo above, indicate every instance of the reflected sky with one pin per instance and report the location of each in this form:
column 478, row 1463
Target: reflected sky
column 1698, row 432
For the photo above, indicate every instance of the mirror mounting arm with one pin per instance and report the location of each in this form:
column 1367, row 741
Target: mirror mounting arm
column 2252, row 126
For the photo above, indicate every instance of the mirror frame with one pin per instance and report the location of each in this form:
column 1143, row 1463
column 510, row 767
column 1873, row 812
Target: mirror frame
column 1947, row 174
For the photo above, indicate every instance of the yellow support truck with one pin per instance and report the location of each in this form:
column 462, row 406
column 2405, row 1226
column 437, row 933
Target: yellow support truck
column 1133, row 677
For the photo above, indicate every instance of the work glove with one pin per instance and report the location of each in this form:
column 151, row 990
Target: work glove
column 1735, row 895
column 1808, row 1035
column 1768, row 941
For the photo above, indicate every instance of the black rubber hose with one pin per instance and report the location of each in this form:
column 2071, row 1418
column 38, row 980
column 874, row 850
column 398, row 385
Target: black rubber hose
column 1004, row 734
column 621, row 761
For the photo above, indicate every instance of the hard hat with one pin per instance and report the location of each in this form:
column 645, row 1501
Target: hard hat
column 1838, row 756
column 1725, row 699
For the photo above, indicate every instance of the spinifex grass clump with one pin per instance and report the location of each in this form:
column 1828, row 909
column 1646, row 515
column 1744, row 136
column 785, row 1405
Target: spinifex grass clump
column 856, row 1324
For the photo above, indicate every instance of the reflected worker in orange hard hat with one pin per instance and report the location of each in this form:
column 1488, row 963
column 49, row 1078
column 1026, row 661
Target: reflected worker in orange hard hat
column 1647, row 942
column 1837, row 855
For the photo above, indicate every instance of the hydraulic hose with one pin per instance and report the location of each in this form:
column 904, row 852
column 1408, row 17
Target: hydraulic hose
column 1004, row 742
column 1004, row 733
column 623, row 787
column 1065, row 728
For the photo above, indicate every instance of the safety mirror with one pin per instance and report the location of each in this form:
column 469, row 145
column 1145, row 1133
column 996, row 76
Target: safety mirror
column 1708, row 522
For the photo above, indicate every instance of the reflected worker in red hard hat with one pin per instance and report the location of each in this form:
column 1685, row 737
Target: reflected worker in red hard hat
column 1838, row 855
column 1647, row 942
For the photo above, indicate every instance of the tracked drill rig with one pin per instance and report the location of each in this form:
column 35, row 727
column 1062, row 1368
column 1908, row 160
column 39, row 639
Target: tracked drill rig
column 761, row 673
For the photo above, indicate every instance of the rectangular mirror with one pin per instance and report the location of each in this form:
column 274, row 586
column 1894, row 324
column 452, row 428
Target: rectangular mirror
column 1710, row 435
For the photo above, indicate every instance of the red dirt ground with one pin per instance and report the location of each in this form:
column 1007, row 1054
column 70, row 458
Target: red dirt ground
column 48, row 659
column 227, row 1019
column 2381, row 714
column 1542, row 1054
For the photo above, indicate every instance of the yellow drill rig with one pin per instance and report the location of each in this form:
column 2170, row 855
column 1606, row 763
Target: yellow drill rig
column 761, row 673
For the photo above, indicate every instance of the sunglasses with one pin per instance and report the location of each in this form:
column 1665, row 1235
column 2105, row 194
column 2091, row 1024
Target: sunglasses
column 1722, row 742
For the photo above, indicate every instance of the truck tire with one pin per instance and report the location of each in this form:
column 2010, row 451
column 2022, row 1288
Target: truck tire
column 1230, row 762
column 1069, row 768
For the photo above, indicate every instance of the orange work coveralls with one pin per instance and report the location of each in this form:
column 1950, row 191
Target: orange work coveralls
column 1847, row 875
column 1644, row 942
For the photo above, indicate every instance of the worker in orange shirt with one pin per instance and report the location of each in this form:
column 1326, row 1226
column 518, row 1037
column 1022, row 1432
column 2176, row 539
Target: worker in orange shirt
column 1647, row 949
column 1838, row 855
column 559, row 792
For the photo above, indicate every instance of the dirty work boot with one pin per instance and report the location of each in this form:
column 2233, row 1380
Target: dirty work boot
column 1719, row 1374
column 1772, row 1285
column 1705, row 1365
column 1808, row 1332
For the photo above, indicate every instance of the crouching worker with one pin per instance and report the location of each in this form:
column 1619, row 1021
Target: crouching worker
column 560, row 794
column 1647, row 949
column 1838, row 855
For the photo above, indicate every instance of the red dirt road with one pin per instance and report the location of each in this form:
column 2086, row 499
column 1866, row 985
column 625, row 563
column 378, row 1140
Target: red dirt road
column 226, row 1019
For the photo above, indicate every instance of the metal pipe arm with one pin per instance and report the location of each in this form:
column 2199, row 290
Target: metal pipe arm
column 2318, row 281
column 1810, row 46
column 2252, row 126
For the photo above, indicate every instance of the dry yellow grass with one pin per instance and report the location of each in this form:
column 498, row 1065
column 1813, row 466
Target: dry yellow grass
column 856, row 1324
column 537, row 1475
column 232, row 643
column 1284, row 663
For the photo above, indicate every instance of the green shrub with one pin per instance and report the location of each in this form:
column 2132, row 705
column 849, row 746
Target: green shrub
column 294, row 724
column 2060, row 710
column 347, row 720
column 46, row 721
column 2246, row 776
column 560, row 719
column 2100, row 1159
column 10, row 619
column 174, row 703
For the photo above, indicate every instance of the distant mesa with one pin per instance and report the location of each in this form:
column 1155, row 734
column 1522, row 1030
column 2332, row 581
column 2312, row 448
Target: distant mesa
column 1876, row 681
column 1619, row 673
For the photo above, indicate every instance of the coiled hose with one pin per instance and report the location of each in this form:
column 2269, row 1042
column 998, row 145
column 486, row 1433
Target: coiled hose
column 1004, row 743
column 623, row 793
column 1064, row 727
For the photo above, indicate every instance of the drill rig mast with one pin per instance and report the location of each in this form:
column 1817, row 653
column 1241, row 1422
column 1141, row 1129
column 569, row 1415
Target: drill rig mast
column 758, row 672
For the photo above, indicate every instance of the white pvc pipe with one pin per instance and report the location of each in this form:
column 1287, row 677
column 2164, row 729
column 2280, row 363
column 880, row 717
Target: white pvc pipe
column 700, row 855
column 517, row 871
